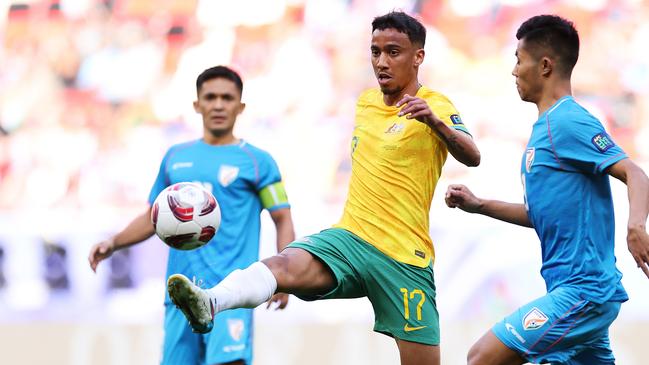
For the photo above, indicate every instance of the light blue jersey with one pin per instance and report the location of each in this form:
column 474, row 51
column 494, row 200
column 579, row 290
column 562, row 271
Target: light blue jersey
column 568, row 199
column 240, row 176
column 235, row 174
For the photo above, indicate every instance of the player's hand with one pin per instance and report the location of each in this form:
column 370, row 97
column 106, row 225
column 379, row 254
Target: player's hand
column 638, row 242
column 459, row 196
column 100, row 252
column 280, row 298
column 417, row 108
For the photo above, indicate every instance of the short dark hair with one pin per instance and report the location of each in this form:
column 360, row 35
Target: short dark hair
column 555, row 34
column 219, row 72
column 404, row 23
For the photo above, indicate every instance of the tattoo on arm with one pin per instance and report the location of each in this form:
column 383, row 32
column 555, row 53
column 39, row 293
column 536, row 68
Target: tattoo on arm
column 454, row 143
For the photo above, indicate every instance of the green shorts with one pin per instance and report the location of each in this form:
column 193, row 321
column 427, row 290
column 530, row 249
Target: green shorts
column 403, row 296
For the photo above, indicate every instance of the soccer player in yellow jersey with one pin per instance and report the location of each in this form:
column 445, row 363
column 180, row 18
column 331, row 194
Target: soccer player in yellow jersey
column 381, row 247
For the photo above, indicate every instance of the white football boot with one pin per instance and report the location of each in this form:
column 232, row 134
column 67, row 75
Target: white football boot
column 192, row 301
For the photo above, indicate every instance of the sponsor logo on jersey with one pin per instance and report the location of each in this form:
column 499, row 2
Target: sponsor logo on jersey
column 603, row 142
column 455, row 118
column 234, row 348
column 227, row 174
column 395, row 128
column 534, row 319
column 235, row 328
column 513, row 331
column 529, row 158
column 420, row 254
column 181, row 165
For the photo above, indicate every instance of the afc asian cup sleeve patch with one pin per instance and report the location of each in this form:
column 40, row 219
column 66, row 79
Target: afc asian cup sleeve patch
column 455, row 118
column 458, row 124
column 603, row 142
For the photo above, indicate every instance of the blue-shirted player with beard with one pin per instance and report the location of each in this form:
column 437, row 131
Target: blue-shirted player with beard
column 568, row 202
column 244, row 180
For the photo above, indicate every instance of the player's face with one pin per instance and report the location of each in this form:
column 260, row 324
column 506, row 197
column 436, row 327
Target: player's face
column 528, row 74
column 395, row 60
column 219, row 103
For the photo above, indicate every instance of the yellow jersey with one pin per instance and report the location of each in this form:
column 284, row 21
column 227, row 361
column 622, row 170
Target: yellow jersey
column 396, row 163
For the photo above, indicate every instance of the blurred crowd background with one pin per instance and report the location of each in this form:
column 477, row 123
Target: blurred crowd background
column 92, row 93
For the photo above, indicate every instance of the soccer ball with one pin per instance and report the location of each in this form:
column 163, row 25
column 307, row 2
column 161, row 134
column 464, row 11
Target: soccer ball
column 185, row 216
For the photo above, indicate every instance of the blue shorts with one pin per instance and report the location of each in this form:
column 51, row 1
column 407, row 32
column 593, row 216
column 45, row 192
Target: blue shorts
column 560, row 328
column 229, row 340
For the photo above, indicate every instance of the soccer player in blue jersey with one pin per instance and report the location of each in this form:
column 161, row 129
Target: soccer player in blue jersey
column 568, row 202
column 244, row 179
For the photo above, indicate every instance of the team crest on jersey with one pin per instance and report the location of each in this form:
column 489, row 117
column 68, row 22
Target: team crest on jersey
column 534, row 319
column 227, row 174
column 603, row 142
column 529, row 158
column 395, row 128
column 235, row 328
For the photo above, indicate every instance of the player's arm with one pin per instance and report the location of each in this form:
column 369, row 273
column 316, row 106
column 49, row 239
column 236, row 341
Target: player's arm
column 459, row 196
column 274, row 198
column 284, row 227
column 638, row 191
column 459, row 144
column 137, row 231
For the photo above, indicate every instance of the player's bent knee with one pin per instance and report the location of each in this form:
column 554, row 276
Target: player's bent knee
column 298, row 271
column 413, row 353
column 278, row 265
column 290, row 268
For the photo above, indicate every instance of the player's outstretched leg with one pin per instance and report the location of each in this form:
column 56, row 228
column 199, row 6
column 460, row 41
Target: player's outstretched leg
column 246, row 288
column 192, row 301
column 293, row 271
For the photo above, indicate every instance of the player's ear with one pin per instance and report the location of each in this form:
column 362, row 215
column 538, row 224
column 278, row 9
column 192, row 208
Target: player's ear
column 242, row 106
column 195, row 103
column 547, row 65
column 419, row 57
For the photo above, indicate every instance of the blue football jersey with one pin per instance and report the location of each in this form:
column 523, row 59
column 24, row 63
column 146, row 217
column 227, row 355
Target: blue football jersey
column 568, row 200
column 235, row 174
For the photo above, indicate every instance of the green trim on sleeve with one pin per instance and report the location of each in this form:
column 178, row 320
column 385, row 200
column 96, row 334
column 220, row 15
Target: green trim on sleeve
column 273, row 195
column 455, row 121
column 461, row 127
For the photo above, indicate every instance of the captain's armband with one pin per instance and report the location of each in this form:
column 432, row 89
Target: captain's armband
column 273, row 196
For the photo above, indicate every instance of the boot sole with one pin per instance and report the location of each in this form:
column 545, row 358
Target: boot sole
column 183, row 297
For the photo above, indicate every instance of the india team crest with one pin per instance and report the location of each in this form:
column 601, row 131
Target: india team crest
column 529, row 158
column 534, row 319
column 235, row 328
column 227, row 174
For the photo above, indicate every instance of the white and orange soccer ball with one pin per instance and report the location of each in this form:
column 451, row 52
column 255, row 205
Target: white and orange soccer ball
column 185, row 216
